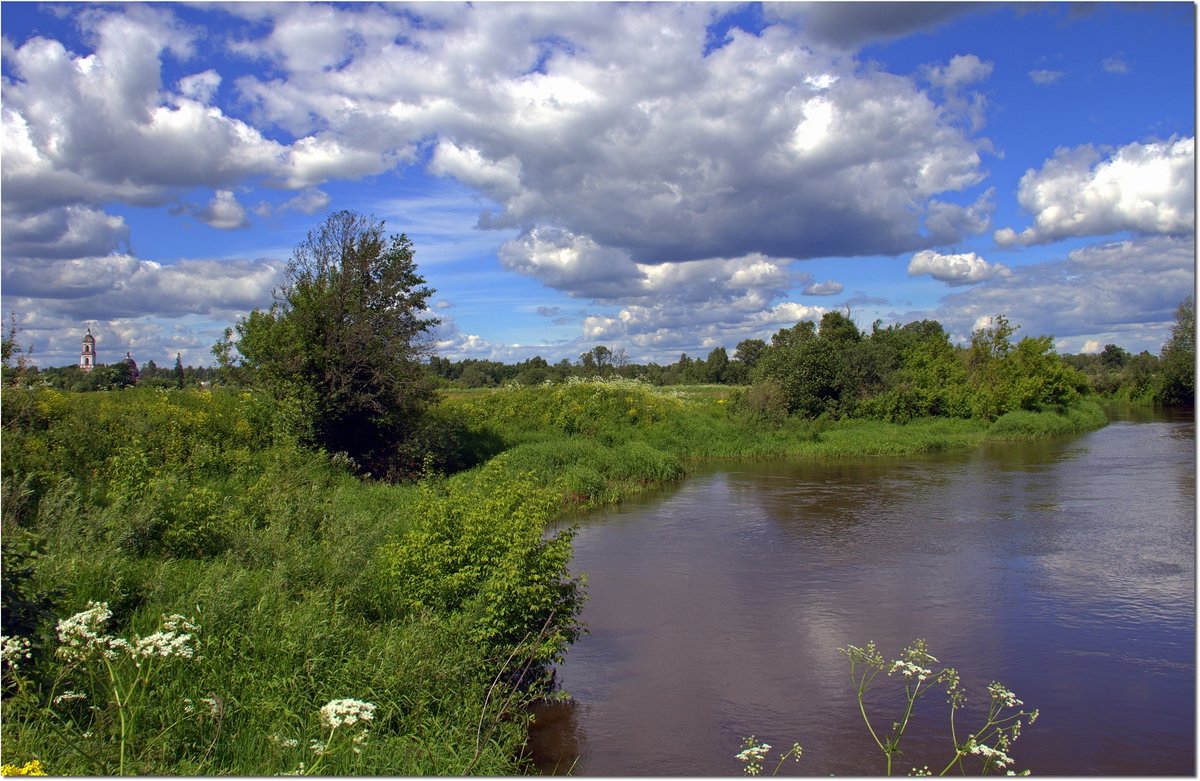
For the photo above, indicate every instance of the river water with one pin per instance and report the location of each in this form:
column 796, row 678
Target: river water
column 1064, row 569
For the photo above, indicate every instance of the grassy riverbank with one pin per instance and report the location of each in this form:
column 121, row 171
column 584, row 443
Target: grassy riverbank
column 308, row 586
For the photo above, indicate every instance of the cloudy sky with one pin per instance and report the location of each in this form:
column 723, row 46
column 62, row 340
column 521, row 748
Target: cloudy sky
column 662, row 178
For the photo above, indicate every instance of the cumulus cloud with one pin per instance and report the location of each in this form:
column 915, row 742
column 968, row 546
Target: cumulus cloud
column 617, row 150
column 827, row 288
column 63, row 232
column 1125, row 291
column 622, row 129
column 961, row 70
column 224, row 212
column 955, row 269
column 1143, row 187
column 97, row 128
column 571, row 263
column 121, row 286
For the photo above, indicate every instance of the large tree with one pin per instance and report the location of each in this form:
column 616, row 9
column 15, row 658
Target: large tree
column 1178, row 359
column 345, row 338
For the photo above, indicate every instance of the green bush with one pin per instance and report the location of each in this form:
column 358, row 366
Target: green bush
column 476, row 545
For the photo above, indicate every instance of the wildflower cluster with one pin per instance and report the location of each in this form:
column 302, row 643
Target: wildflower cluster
column 15, row 650
column 753, row 754
column 913, row 661
column 31, row 768
column 991, row 756
column 336, row 715
column 82, row 634
column 991, row 743
column 1003, row 696
column 346, row 713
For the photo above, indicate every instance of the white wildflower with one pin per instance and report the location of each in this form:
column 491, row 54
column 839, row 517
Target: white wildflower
column 15, row 650
column 1003, row 695
column 910, row 670
column 317, row 746
column 82, row 631
column 993, row 755
column 69, row 696
column 285, row 742
column 175, row 638
column 338, row 713
column 753, row 755
column 215, row 706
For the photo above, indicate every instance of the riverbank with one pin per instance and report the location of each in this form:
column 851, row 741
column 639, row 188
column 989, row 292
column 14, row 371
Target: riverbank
column 306, row 587
column 602, row 441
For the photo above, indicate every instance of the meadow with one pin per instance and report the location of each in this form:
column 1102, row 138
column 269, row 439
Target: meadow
column 190, row 590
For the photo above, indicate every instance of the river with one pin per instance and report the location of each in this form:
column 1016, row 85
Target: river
column 1064, row 569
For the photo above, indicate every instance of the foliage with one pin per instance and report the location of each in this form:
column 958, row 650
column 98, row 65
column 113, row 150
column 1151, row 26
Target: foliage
column 296, row 600
column 478, row 547
column 1179, row 358
column 990, row 742
column 986, row 747
column 344, row 339
column 1048, row 422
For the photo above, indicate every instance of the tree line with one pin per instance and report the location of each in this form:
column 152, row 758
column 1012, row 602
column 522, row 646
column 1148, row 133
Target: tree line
column 348, row 344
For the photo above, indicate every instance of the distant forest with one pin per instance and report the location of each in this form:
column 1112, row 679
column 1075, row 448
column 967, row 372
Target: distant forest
column 1114, row 373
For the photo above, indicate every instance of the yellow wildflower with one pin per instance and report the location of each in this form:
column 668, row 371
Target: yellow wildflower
column 31, row 768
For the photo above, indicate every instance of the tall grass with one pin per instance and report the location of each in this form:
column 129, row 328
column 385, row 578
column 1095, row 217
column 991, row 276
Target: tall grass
column 200, row 504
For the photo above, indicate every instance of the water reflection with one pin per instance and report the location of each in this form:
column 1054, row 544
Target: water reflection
column 1065, row 569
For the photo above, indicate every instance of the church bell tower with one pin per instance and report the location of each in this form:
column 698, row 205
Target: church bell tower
column 87, row 356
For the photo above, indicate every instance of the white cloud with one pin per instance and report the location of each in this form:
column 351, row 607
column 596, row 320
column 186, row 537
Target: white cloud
column 571, row 263
column 961, row 70
column 121, row 286
column 1123, row 292
column 827, row 288
column 1115, row 65
column 627, row 134
column 200, row 87
column 64, row 232
column 97, row 128
column 224, row 212
column 955, row 269
column 308, row 201
column 1043, row 77
column 1148, row 188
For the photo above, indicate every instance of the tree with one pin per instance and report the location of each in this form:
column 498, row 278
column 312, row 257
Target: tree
column 717, row 366
column 345, row 337
column 178, row 370
column 10, row 349
column 748, row 352
column 1178, row 359
column 1113, row 357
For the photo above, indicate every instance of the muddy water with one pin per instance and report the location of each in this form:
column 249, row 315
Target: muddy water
column 1064, row 569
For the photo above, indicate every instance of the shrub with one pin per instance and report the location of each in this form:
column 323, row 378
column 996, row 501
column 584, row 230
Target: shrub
column 476, row 545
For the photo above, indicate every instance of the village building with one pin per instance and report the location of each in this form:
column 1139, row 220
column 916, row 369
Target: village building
column 134, row 376
column 87, row 356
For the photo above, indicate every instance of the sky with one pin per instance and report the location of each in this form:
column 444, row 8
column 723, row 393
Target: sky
column 661, row 178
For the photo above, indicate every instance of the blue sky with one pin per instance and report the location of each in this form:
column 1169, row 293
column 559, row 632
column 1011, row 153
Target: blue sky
column 662, row 178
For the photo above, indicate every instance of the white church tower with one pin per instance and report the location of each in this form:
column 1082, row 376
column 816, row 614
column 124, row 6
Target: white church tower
column 87, row 356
